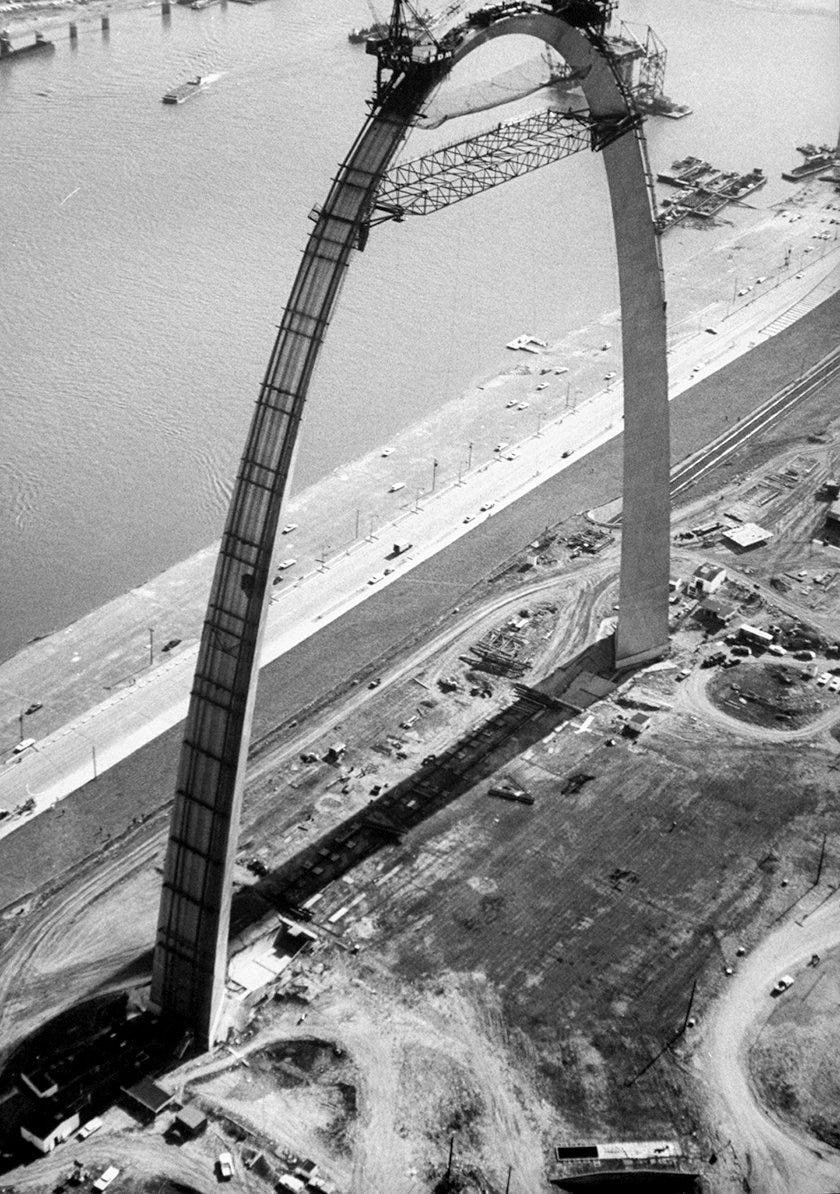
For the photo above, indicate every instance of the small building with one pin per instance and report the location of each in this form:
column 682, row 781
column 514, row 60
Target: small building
column 676, row 584
column 148, row 1098
column 716, row 611
column 833, row 513
column 637, row 725
column 708, row 578
column 190, row 1122
column 747, row 536
column 48, row 1125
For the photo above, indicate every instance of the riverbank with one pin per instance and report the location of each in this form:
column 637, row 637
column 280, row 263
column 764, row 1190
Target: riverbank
column 117, row 647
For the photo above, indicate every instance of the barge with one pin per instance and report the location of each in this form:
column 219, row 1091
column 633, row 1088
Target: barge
column 816, row 159
column 39, row 46
column 184, row 91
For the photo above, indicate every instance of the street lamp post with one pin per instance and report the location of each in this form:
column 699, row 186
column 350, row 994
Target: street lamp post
column 434, row 472
column 469, row 458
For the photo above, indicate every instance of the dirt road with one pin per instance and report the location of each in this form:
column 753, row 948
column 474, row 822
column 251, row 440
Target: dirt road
column 775, row 1158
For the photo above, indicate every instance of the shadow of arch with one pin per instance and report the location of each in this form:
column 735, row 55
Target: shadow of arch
column 190, row 955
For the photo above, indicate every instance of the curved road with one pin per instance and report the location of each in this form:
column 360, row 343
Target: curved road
column 775, row 1158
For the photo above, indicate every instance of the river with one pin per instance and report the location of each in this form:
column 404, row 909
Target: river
column 148, row 251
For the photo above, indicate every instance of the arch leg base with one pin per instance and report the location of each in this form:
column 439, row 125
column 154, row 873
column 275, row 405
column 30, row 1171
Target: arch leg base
column 635, row 659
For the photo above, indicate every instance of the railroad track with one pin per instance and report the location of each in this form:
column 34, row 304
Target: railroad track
column 690, row 471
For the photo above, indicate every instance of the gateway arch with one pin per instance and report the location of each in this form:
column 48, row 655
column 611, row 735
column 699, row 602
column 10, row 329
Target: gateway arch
column 190, row 959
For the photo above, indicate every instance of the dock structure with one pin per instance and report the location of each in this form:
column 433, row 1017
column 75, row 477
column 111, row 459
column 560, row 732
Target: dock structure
column 190, row 960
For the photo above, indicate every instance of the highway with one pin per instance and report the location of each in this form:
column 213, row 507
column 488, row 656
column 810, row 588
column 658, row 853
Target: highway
column 98, row 739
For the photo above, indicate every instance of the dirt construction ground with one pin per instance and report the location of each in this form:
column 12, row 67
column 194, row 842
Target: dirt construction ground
column 504, row 976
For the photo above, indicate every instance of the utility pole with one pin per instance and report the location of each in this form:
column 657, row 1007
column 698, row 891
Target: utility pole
column 507, row 1183
column 20, row 719
column 820, row 864
column 93, row 755
column 151, row 645
column 356, row 534
column 434, row 472
column 451, row 1147
column 688, row 1009
column 469, row 457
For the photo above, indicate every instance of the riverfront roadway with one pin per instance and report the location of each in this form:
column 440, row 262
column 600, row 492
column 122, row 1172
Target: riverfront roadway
column 536, row 488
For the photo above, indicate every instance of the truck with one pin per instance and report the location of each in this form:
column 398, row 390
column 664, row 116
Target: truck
column 517, row 795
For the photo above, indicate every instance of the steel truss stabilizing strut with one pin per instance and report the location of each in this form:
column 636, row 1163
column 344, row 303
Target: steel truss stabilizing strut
column 465, row 168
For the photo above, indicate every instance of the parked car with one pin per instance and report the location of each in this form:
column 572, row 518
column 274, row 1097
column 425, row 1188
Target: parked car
column 92, row 1125
column 103, row 1182
column 781, row 985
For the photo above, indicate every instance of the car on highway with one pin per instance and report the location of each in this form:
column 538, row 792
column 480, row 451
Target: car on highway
column 171, row 645
column 24, row 744
column 396, row 487
column 375, row 682
column 565, row 455
column 487, row 506
column 468, row 518
column 781, row 985
column 33, row 708
column 288, row 528
column 501, row 445
column 375, row 579
column 224, row 1163
column 290, row 563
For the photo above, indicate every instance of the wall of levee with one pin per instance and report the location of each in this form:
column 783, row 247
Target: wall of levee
column 190, row 962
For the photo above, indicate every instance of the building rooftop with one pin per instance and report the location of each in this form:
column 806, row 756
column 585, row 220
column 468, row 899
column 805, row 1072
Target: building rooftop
column 149, row 1095
column 707, row 571
column 192, row 1118
column 749, row 535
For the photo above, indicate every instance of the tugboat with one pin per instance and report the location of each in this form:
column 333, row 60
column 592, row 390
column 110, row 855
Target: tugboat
column 357, row 36
column 184, row 91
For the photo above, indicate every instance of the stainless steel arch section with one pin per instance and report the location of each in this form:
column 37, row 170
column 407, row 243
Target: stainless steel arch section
column 642, row 631
column 190, row 960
